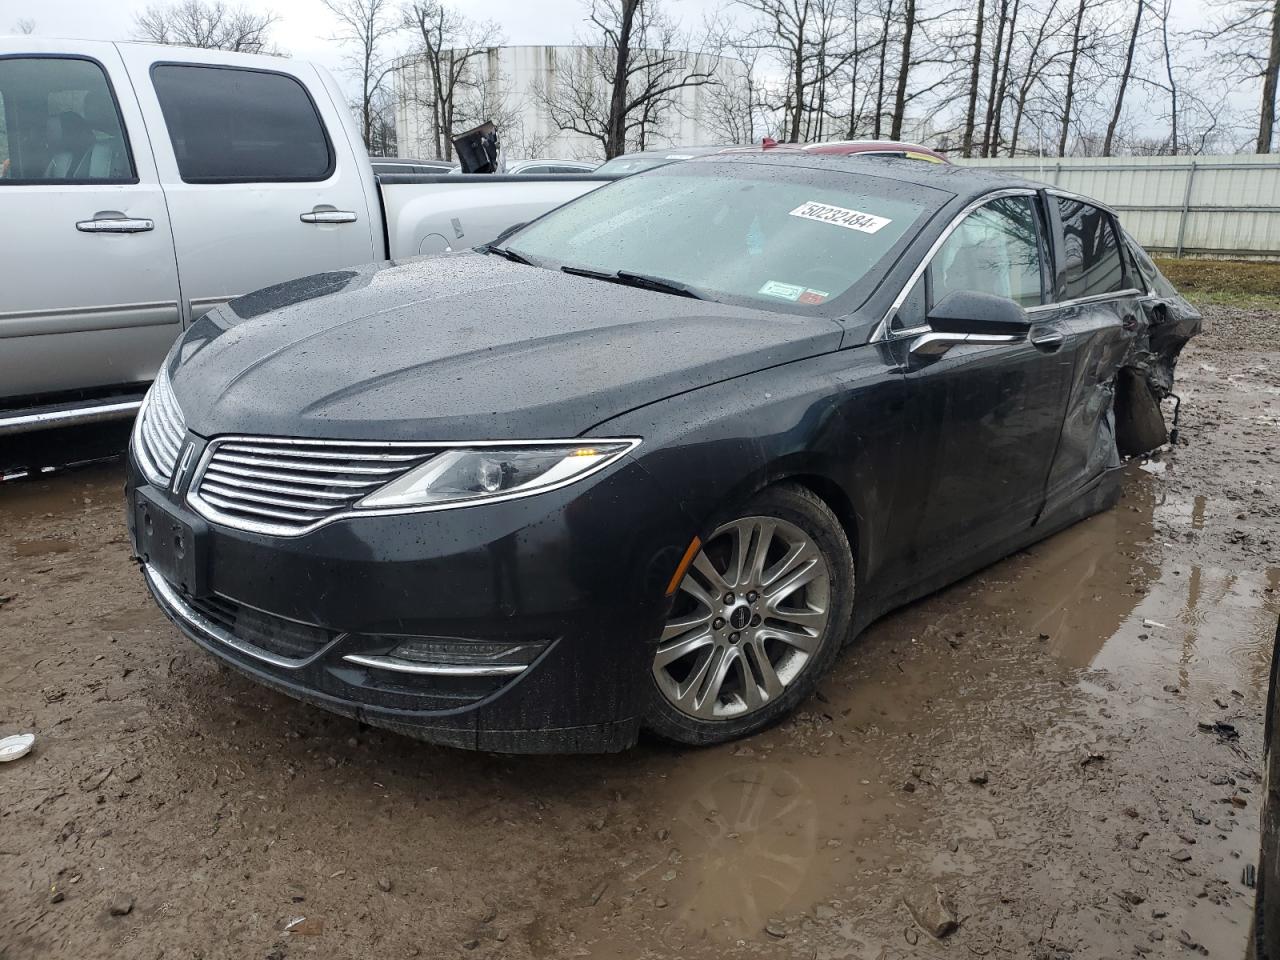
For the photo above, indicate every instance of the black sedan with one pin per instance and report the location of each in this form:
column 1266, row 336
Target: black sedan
column 651, row 460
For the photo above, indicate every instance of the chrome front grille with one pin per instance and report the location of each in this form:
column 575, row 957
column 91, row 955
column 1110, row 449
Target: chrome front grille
column 160, row 431
column 288, row 486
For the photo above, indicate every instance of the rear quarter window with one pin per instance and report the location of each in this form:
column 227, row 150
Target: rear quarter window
column 231, row 125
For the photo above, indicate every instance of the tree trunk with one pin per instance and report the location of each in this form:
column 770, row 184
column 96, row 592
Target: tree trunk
column 975, row 71
column 1002, row 88
column 1173, row 84
column 1270, row 81
column 995, row 78
column 1071, row 79
column 616, row 135
column 1124, row 81
column 900, row 99
column 797, row 77
column 878, row 126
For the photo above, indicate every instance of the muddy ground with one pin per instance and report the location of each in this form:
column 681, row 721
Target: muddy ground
column 1026, row 740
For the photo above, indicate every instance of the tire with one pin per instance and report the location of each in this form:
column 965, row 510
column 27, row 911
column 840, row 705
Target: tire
column 741, row 650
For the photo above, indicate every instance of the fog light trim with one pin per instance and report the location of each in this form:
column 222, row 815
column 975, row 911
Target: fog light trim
column 397, row 665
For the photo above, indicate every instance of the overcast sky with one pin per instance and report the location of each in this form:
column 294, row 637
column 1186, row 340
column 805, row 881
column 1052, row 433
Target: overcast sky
column 305, row 25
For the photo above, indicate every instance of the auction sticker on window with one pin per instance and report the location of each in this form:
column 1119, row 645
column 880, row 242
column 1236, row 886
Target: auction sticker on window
column 840, row 216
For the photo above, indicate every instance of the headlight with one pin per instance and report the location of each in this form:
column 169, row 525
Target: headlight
column 492, row 473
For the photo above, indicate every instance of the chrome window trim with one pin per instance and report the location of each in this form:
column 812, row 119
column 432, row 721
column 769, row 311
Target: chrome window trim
column 171, row 601
column 1078, row 301
column 214, row 515
column 1081, row 198
column 882, row 331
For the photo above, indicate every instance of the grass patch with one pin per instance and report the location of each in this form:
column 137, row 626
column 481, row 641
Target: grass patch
column 1233, row 283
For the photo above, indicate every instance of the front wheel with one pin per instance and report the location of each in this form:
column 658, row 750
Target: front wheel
column 757, row 620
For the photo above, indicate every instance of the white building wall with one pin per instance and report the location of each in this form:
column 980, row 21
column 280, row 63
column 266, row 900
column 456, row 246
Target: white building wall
column 514, row 77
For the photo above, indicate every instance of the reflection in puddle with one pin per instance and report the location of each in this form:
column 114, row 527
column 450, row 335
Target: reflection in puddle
column 763, row 838
column 1100, row 593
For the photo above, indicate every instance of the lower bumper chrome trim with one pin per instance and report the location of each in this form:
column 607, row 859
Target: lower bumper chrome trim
column 65, row 415
column 172, row 601
column 396, row 665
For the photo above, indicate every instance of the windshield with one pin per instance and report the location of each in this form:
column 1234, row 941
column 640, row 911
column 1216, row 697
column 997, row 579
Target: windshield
column 779, row 237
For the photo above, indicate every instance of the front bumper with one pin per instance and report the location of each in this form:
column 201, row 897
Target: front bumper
column 576, row 575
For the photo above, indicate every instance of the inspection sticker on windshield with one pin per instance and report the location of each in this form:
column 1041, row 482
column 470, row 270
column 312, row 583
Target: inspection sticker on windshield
column 787, row 291
column 840, row 216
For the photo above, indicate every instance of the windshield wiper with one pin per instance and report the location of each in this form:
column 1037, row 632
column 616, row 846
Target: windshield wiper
column 507, row 253
column 642, row 280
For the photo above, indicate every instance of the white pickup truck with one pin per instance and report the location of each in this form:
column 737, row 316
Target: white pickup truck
column 142, row 185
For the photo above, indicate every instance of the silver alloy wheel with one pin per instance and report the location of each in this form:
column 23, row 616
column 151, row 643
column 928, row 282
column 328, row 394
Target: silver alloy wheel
column 748, row 616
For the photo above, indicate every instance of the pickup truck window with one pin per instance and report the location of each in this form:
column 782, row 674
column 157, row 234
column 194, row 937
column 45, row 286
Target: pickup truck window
column 231, row 125
column 59, row 123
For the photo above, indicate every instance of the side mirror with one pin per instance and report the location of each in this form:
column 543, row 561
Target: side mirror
column 967, row 311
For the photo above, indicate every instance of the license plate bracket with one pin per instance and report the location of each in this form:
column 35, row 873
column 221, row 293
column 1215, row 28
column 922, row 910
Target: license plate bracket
column 173, row 546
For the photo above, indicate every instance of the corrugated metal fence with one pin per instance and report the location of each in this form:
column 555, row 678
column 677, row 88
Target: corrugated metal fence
column 1197, row 206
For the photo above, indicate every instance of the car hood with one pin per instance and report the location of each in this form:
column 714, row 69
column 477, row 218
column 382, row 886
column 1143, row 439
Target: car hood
column 461, row 347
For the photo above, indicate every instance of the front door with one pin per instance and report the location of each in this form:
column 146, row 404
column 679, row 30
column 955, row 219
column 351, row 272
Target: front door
column 89, row 300
column 263, row 182
column 983, row 417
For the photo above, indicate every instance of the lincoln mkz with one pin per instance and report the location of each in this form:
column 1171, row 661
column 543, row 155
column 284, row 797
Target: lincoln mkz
column 653, row 459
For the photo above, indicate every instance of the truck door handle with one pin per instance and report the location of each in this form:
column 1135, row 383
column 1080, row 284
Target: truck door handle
column 1049, row 341
column 112, row 222
column 328, row 215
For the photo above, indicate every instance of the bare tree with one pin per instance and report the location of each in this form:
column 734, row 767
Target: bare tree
column 25, row 26
column 626, row 80
column 448, row 46
column 209, row 25
column 904, row 70
column 1038, row 59
column 365, row 25
column 735, row 110
column 975, row 72
column 1248, row 35
column 1124, row 78
column 804, row 38
column 1077, row 37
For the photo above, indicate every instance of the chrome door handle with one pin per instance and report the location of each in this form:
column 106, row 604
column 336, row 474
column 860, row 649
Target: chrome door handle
column 1050, row 341
column 102, row 224
column 328, row 216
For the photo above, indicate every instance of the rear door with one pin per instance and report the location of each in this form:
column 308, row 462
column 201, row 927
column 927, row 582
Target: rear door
column 1099, row 304
column 262, row 180
column 983, row 418
column 90, row 289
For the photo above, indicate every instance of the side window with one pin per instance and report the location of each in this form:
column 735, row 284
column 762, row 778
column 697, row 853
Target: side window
column 59, row 123
column 1090, row 250
column 229, row 125
column 995, row 250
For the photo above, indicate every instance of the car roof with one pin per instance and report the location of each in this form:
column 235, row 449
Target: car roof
column 964, row 182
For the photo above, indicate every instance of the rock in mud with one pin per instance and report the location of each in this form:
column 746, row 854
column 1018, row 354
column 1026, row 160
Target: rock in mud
column 978, row 778
column 120, row 906
column 774, row 928
column 932, row 910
